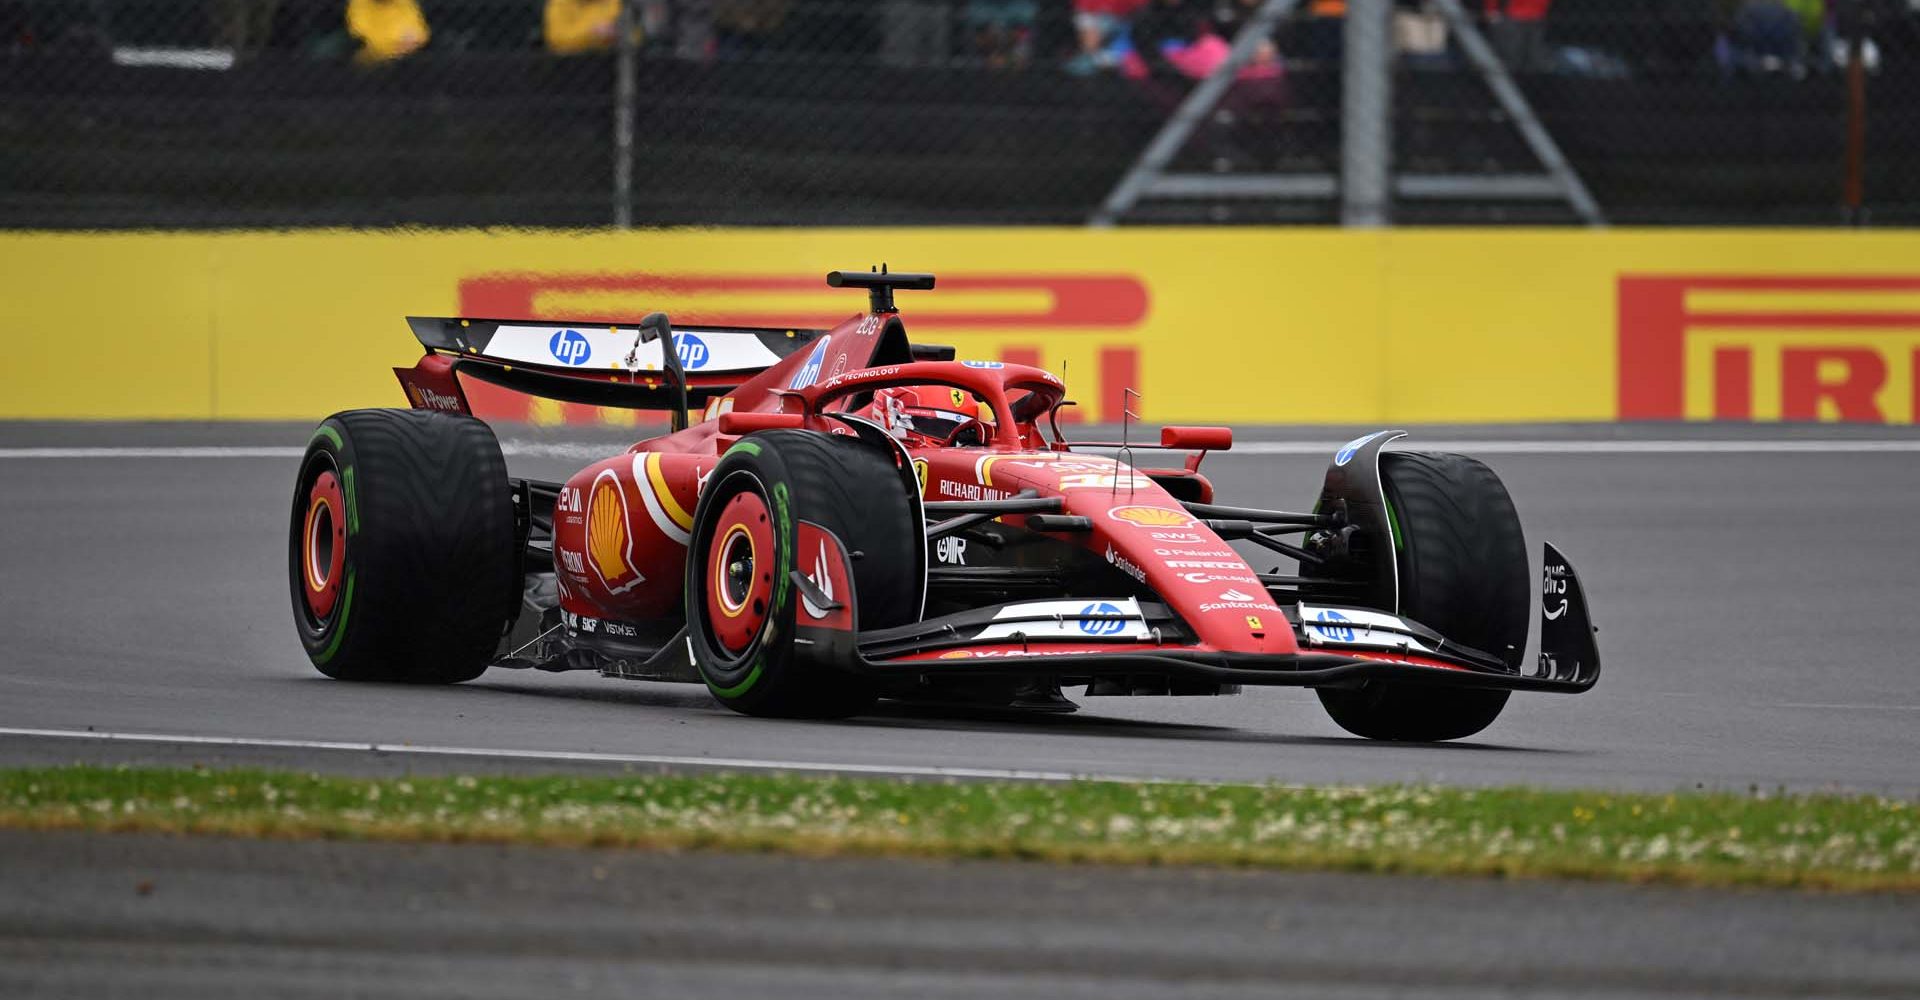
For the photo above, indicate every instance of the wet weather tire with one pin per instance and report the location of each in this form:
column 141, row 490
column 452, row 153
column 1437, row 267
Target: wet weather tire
column 1463, row 572
column 741, row 604
column 401, row 551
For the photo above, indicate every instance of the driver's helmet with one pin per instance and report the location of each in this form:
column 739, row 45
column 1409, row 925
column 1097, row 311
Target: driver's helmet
column 926, row 414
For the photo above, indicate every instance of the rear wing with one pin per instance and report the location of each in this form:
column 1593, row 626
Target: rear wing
column 606, row 364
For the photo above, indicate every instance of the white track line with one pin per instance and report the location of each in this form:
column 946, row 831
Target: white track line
column 588, row 452
column 572, row 756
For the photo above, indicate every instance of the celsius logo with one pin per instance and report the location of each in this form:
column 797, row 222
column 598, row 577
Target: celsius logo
column 570, row 347
column 1102, row 626
column 1337, row 633
column 692, row 351
column 809, row 372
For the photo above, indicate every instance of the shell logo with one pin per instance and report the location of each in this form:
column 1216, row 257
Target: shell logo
column 1151, row 517
column 609, row 545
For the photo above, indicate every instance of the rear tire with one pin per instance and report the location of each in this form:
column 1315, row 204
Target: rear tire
column 1463, row 572
column 753, row 504
column 401, row 549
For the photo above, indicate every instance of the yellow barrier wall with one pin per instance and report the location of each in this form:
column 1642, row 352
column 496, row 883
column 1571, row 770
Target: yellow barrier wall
column 1294, row 326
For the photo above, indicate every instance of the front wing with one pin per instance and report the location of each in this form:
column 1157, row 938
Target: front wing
column 1141, row 638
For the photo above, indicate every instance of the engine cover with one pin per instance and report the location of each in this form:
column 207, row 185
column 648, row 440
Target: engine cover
column 620, row 533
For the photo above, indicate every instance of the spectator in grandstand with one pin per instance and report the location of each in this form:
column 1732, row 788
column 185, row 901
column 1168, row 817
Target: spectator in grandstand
column 916, row 32
column 1002, row 30
column 1100, row 28
column 573, row 26
column 243, row 26
column 1323, row 33
column 1161, row 28
column 1420, row 34
column 1226, row 21
column 1767, row 36
column 1517, row 30
column 744, row 26
column 386, row 29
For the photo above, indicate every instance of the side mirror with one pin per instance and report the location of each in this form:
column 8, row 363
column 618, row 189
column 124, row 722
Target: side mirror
column 1197, row 438
column 742, row 424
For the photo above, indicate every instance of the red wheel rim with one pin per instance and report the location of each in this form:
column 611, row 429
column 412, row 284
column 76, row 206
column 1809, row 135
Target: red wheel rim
column 323, row 544
column 740, row 566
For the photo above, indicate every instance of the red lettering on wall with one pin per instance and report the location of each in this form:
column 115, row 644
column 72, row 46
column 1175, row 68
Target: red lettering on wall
column 1803, row 386
column 1733, row 383
column 1655, row 322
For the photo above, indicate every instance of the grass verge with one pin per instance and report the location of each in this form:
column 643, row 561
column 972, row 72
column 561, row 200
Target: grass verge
column 1849, row 843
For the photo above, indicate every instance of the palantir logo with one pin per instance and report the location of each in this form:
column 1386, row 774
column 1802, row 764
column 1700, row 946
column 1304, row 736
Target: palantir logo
column 1102, row 626
column 570, row 347
column 1335, row 633
column 692, row 351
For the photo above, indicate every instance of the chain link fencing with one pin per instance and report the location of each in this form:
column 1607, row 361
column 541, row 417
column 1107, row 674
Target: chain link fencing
column 226, row 113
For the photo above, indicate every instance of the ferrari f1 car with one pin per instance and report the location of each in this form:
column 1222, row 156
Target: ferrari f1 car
column 840, row 516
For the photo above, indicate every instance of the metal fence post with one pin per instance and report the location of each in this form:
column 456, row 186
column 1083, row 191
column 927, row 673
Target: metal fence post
column 625, row 93
column 1366, row 116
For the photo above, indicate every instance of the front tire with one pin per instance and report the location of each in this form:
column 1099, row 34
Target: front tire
column 1463, row 572
column 740, row 599
column 401, row 548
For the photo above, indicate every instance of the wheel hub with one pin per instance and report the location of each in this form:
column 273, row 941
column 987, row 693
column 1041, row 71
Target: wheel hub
column 323, row 544
column 740, row 572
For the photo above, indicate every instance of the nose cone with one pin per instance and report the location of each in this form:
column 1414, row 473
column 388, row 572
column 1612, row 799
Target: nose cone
column 1149, row 536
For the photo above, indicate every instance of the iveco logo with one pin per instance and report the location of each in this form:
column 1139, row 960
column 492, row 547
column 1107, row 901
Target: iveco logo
column 570, row 347
column 1104, row 625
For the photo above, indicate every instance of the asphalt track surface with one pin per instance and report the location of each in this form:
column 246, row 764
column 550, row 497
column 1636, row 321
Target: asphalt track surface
column 1757, row 614
column 158, row 918
column 1755, row 592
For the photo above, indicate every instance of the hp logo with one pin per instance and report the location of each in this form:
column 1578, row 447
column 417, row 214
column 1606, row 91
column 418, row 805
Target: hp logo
column 1102, row 626
column 692, row 350
column 570, row 347
column 1335, row 633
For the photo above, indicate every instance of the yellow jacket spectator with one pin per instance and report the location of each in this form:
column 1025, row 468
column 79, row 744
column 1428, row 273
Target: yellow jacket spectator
column 386, row 29
column 581, row 25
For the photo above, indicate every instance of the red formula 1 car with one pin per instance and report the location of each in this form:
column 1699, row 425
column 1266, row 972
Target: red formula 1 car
column 840, row 516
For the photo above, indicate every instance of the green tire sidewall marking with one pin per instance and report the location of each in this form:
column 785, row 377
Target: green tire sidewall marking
column 1393, row 523
column 330, row 434
column 744, row 447
column 353, row 502
column 340, row 628
column 746, row 683
column 782, row 547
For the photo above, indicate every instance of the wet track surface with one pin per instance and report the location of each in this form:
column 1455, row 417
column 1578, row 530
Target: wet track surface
column 1756, row 611
column 1757, row 626
column 162, row 918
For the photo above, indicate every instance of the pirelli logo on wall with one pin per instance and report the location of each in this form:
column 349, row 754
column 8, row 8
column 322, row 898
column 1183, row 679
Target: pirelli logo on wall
column 1816, row 348
column 1040, row 319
